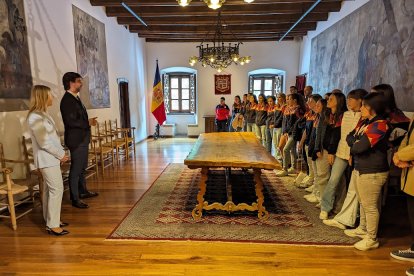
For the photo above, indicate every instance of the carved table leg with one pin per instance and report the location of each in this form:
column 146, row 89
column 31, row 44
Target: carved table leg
column 198, row 210
column 262, row 213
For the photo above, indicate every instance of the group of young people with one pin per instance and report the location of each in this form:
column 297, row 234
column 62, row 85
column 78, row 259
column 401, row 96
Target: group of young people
column 362, row 132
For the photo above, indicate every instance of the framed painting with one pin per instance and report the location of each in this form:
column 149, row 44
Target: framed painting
column 15, row 70
column 90, row 44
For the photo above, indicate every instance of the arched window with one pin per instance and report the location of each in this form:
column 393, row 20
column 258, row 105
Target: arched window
column 179, row 90
column 266, row 81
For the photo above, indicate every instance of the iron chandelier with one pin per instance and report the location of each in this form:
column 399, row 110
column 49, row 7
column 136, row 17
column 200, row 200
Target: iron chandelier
column 219, row 56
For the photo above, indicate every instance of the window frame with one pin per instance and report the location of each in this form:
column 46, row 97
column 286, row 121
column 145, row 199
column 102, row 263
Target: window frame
column 263, row 78
column 192, row 95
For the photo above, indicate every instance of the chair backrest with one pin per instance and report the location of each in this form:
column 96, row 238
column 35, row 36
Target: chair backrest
column 28, row 153
column 2, row 162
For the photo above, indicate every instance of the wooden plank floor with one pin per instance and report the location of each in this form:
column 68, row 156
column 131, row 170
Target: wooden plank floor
column 84, row 251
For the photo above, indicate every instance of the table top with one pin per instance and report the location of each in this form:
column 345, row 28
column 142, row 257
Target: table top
column 230, row 149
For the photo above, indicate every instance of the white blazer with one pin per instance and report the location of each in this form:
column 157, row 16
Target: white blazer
column 47, row 148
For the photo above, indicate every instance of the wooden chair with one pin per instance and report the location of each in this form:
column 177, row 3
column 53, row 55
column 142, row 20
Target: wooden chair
column 104, row 146
column 120, row 140
column 30, row 167
column 11, row 187
column 92, row 166
column 129, row 133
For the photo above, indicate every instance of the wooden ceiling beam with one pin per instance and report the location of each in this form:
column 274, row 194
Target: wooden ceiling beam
column 228, row 37
column 211, row 28
column 194, row 40
column 229, row 19
column 143, row 3
column 297, row 7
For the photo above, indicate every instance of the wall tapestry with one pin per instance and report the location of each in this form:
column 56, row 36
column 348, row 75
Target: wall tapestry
column 222, row 84
column 374, row 44
column 91, row 58
column 15, row 70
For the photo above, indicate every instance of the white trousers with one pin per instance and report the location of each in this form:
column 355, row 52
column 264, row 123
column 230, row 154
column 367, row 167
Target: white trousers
column 52, row 195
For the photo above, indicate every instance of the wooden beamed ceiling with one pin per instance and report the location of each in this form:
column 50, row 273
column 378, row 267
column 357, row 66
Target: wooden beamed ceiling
column 262, row 20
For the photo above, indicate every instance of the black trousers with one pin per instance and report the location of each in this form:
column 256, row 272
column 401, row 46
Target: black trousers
column 221, row 126
column 79, row 162
column 410, row 207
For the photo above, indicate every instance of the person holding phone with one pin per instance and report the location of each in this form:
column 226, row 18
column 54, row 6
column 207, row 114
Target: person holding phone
column 77, row 137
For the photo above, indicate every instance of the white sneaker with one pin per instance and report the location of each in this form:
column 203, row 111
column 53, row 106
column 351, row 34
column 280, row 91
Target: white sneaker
column 282, row 173
column 291, row 170
column 305, row 180
column 357, row 232
column 310, row 189
column 367, row 243
column 307, row 196
column 299, row 178
column 334, row 223
column 323, row 215
column 312, row 198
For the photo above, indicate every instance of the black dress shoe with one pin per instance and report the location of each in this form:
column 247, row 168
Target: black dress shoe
column 64, row 224
column 51, row 232
column 88, row 195
column 79, row 204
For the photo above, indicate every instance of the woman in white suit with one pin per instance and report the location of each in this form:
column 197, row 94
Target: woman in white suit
column 48, row 154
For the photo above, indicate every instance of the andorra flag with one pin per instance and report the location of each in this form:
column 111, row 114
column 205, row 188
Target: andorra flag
column 157, row 104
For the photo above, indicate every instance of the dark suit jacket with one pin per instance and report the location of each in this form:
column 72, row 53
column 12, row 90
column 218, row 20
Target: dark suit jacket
column 75, row 119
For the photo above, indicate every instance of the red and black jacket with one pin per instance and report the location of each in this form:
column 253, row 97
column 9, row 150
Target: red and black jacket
column 250, row 113
column 222, row 112
column 369, row 145
column 261, row 114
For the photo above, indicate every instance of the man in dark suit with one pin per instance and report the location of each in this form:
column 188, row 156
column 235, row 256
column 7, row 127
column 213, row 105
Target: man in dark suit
column 77, row 137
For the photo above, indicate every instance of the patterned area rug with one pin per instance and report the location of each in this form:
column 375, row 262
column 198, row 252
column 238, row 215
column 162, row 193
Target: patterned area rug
column 164, row 212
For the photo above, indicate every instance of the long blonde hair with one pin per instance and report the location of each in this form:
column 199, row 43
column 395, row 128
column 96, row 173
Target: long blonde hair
column 39, row 99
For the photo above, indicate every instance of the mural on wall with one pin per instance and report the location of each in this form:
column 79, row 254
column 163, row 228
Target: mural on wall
column 91, row 58
column 374, row 44
column 15, row 70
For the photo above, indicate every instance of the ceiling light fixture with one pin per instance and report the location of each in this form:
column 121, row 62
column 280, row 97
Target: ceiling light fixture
column 183, row 3
column 219, row 56
column 212, row 4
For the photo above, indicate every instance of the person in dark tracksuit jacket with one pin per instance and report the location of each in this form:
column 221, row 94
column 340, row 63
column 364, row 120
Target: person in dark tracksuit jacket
column 250, row 114
column 277, row 130
column 236, row 111
column 293, row 112
column 261, row 115
column 270, row 122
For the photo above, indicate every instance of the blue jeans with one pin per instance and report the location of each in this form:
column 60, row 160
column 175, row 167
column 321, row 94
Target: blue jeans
column 328, row 198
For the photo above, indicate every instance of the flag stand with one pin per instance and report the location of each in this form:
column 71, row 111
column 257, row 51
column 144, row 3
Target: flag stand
column 157, row 132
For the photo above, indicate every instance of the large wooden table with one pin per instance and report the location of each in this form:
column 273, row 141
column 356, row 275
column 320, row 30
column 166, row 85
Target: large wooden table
column 230, row 150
